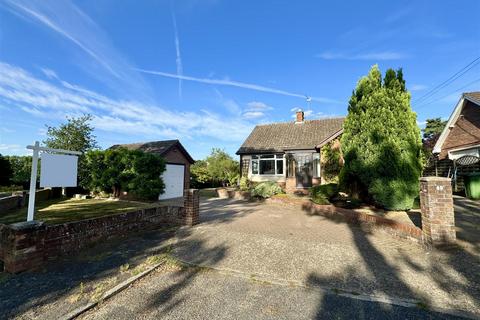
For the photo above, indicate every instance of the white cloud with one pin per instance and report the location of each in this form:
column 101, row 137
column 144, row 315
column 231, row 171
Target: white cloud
column 418, row 87
column 232, row 83
column 253, row 114
column 44, row 99
column 67, row 20
column 50, row 74
column 380, row 56
column 257, row 105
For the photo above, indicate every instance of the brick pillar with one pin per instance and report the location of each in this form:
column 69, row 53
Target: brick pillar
column 191, row 207
column 436, row 203
column 22, row 246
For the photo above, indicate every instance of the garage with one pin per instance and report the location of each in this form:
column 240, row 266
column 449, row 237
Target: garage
column 173, row 178
column 178, row 161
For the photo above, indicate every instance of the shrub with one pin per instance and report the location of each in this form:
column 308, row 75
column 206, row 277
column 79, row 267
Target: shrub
column 330, row 190
column 244, row 184
column 320, row 198
column 394, row 194
column 266, row 189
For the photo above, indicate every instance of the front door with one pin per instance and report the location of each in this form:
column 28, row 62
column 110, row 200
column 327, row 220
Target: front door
column 303, row 172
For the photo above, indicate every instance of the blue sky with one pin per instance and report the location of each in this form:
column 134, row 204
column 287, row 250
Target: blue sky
column 206, row 72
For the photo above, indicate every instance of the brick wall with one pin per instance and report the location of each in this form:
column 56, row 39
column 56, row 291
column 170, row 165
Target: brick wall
column 11, row 202
column 27, row 245
column 436, row 202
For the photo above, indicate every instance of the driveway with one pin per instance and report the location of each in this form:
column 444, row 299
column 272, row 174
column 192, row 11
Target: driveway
column 281, row 242
column 272, row 261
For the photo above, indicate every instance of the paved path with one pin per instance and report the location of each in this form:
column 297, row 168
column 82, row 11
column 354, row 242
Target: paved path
column 467, row 220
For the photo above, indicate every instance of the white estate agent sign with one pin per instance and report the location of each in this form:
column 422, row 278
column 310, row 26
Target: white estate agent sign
column 58, row 170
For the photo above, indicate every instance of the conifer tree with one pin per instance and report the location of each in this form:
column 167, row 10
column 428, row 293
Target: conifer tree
column 381, row 142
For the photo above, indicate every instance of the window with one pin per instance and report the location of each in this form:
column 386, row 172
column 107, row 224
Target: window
column 267, row 164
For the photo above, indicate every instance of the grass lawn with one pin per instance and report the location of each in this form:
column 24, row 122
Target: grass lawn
column 57, row 211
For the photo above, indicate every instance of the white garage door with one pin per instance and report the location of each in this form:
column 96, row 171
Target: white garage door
column 173, row 177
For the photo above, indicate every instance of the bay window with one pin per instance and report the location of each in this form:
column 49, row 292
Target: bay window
column 267, row 164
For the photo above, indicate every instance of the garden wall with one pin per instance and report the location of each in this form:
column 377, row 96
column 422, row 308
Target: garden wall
column 27, row 245
column 20, row 199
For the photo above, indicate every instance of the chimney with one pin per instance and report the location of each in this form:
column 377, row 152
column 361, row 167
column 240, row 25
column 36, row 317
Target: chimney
column 300, row 117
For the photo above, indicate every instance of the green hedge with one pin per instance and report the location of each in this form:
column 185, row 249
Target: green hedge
column 324, row 193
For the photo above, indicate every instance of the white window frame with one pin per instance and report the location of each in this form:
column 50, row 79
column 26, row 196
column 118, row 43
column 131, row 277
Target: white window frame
column 276, row 156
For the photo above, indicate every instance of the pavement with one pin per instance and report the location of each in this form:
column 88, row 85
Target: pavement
column 274, row 261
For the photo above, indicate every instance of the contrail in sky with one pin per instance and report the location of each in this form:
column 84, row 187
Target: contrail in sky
column 232, row 83
column 177, row 49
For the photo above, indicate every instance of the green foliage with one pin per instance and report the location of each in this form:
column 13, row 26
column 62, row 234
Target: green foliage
column 329, row 190
column 6, row 172
column 431, row 133
column 76, row 135
column 244, row 184
column 21, row 166
column 319, row 198
column 332, row 163
column 381, row 142
column 199, row 174
column 134, row 171
column 219, row 168
column 266, row 189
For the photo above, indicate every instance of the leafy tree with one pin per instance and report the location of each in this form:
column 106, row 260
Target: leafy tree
column 431, row 133
column 21, row 167
column 135, row 171
column 199, row 174
column 76, row 135
column 381, row 142
column 221, row 167
column 6, row 172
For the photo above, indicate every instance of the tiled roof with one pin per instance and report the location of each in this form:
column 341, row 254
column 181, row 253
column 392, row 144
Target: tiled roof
column 158, row 147
column 475, row 96
column 278, row 137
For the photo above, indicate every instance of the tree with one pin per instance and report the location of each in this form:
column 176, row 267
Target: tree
column 75, row 135
column 199, row 174
column 381, row 142
column 135, row 171
column 21, row 167
column 431, row 133
column 5, row 171
column 221, row 167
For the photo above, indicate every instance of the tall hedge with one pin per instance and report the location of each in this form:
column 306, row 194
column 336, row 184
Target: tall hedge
column 381, row 142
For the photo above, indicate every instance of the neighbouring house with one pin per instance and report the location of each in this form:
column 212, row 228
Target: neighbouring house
column 459, row 138
column 177, row 173
column 288, row 153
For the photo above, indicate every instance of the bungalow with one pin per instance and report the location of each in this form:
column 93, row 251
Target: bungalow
column 177, row 172
column 288, row 153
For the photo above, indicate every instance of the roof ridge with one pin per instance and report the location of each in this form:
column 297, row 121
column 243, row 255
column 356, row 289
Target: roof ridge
column 293, row 122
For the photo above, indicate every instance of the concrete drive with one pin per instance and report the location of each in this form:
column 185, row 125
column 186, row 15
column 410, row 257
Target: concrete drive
column 273, row 261
column 279, row 242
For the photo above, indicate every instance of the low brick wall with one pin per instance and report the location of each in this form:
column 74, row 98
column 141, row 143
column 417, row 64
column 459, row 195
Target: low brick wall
column 233, row 194
column 350, row 216
column 10, row 202
column 19, row 199
column 28, row 245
